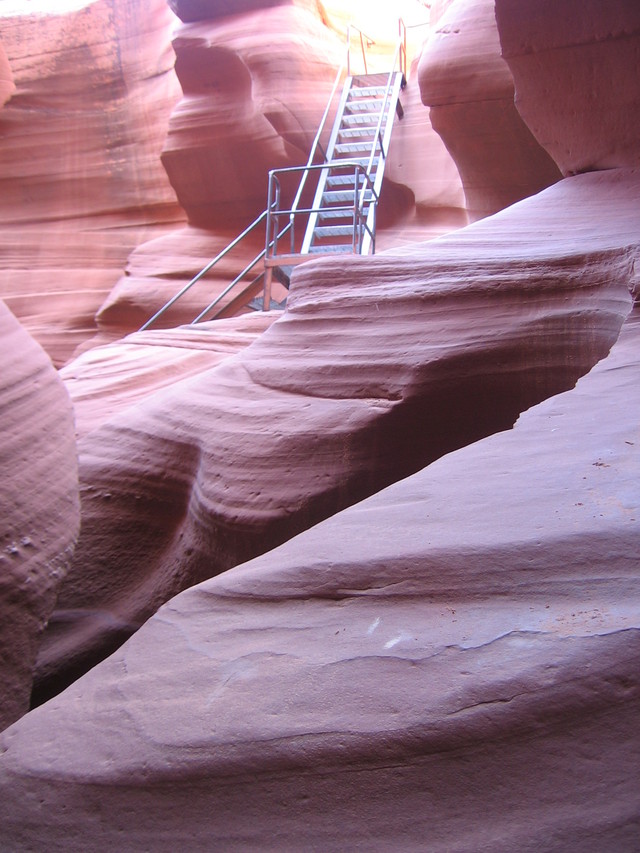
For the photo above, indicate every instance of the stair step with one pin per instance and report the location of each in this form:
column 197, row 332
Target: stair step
column 367, row 91
column 350, row 147
column 344, row 180
column 333, row 231
column 360, row 161
column 339, row 213
column 365, row 106
column 358, row 132
column 340, row 249
column 353, row 119
column 379, row 78
column 337, row 196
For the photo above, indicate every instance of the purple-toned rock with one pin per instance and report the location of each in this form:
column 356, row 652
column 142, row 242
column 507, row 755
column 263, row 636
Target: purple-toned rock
column 470, row 91
column 39, row 506
column 449, row 665
column 575, row 69
column 378, row 367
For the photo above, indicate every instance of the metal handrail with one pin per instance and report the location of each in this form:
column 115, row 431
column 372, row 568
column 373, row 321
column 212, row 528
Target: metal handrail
column 272, row 211
column 316, row 141
column 238, row 278
column 205, row 270
column 363, row 36
column 357, row 208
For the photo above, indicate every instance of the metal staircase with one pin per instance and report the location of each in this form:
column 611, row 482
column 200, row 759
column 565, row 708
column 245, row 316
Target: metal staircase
column 342, row 216
column 344, row 207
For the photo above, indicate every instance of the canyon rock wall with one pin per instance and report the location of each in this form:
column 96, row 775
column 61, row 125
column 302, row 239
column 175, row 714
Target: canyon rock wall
column 470, row 90
column 592, row 122
column 7, row 86
column 256, row 84
column 39, row 506
column 81, row 182
column 451, row 663
column 326, row 407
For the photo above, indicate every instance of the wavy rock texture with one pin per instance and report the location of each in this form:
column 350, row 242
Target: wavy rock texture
column 449, row 665
column 107, row 379
column 81, row 182
column 592, row 124
column 158, row 269
column 378, row 367
column 470, row 91
column 255, row 88
column 39, row 506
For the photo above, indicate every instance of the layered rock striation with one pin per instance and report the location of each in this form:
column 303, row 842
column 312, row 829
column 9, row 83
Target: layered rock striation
column 378, row 367
column 470, row 90
column 81, row 182
column 256, row 84
column 39, row 506
column 592, row 123
column 451, row 663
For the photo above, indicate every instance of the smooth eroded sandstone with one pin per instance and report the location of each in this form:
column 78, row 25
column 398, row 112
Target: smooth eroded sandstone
column 255, row 88
column 256, row 85
column 39, row 506
column 449, row 665
column 378, row 367
column 107, row 379
column 575, row 69
column 7, row 86
column 81, row 182
column 470, row 91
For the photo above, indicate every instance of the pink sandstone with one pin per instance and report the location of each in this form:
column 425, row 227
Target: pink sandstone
column 7, row 86
column 327, row 407
column 449, row 665
column 592, row 122
column 39, row 506
column 81, row 183
column 244, row 113
column 108, row 379
column 470, row 91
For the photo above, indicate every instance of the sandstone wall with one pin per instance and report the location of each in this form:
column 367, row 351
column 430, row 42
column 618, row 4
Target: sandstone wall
column 39, row 506
column 451, row 663
column 470, row 91
column 378, row 367
column 256, row 84
column 577, row 86
column 81, row 182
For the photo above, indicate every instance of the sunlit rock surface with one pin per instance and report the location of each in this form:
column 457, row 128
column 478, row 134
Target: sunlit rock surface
column 81, row 181
column 593, row 123
column 470, row 91
column 378, row 367
column 39, row 506
column 449, row 665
